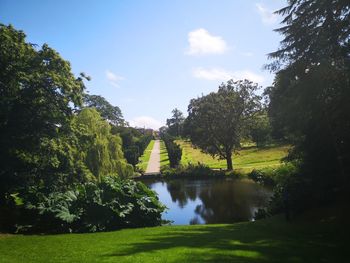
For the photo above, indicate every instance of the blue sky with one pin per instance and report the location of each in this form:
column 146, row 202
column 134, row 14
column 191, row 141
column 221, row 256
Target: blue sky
column 148, row 57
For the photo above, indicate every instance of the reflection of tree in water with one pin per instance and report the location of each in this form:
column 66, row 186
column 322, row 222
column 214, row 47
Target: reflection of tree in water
column 227, row 202
column 222, row 201
column 182, row 190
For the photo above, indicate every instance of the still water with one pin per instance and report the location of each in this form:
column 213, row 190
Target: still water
column 210, row 201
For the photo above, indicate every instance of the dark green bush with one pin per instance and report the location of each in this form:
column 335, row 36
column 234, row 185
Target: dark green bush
column 174, row 150
column 132, row 155
column 272, row 176
column 261, row 177
column 290, row 189
column 198, row 170
column 143, row 142
column 112, row 204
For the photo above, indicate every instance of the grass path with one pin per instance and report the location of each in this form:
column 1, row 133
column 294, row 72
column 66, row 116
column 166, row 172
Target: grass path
column 244, row 160
column 145, row 157
column 271, row 240
column 164, row 158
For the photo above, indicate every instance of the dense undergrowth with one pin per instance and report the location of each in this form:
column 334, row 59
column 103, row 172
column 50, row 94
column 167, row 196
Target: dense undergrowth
column 111, row 204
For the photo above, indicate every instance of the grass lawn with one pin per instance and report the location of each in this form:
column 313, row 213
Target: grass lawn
column 245, row 160
column 271, row 240
column 164, row 158
column 145, row 157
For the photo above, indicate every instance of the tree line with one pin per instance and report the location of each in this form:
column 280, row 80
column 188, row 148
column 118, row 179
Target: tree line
column 63, row 166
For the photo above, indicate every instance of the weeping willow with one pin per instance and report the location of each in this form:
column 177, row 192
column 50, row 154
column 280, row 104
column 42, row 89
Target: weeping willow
column 101, row 151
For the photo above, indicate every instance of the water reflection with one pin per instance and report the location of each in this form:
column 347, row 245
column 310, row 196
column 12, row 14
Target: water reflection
column 210, row 201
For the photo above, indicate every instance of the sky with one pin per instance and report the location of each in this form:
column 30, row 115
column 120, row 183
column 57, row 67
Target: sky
column 151, row 56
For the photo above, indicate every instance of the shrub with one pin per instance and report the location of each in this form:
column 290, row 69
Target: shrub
column 273, row 176
column 109, row 205
column 198, row 170
column 174, row 150
column 290, row 189
column 261, row 177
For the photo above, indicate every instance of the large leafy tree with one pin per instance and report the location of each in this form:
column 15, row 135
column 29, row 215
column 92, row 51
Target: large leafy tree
column 216, row 122
column 315, row 32
column 111, row 113
column 259, row 130
column 311, row 94
column 37, row 95
column 101, row 150
column 175, row 123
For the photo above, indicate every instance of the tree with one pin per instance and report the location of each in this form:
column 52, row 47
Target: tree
column 101, row 150
column 175, row 123
column 260, row 129
column 134, row 142
column 53, row 151
column 38, row 92
column 174, row 150
column 216, row 122
column 111, row 113
column 315, row 32
column 310, row 97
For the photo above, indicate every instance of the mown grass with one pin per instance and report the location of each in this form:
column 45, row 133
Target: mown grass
column 271, row 240
column 145, row 156
column 164, row 158
column 245, row 160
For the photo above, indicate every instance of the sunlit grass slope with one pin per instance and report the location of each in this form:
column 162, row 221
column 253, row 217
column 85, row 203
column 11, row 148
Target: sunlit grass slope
column 245, row 160
column 272, row 240
column 164, row 158
column 145, row 157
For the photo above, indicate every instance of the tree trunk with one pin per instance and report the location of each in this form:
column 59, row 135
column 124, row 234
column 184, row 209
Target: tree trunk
column 229, row 161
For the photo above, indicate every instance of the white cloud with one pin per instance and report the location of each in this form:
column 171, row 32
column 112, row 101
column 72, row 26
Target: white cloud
column 201, row 43
column 146, row 121
column 113, row 78
column 225, row 75
column 267, row 15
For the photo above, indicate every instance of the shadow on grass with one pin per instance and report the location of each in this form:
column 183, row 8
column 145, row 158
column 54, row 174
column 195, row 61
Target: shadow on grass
column 234, row 243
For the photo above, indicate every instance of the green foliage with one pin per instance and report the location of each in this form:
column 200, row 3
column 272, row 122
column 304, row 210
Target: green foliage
column 132, row 154
column 216, row 122
column 273, row 176
column 142, row 142
column 101, row 151
column 174, row 150
column 111, row 113
column 164, row 158
column 199, row 170
column 55, row 156
column 245, row 160
column 260, row 129
column 143, row 160
column 175, row 123
column 134, row 143
column 310, row 98
column 37, row 95
column 109, row 205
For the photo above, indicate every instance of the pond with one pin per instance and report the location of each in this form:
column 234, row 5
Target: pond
column 209, row 201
